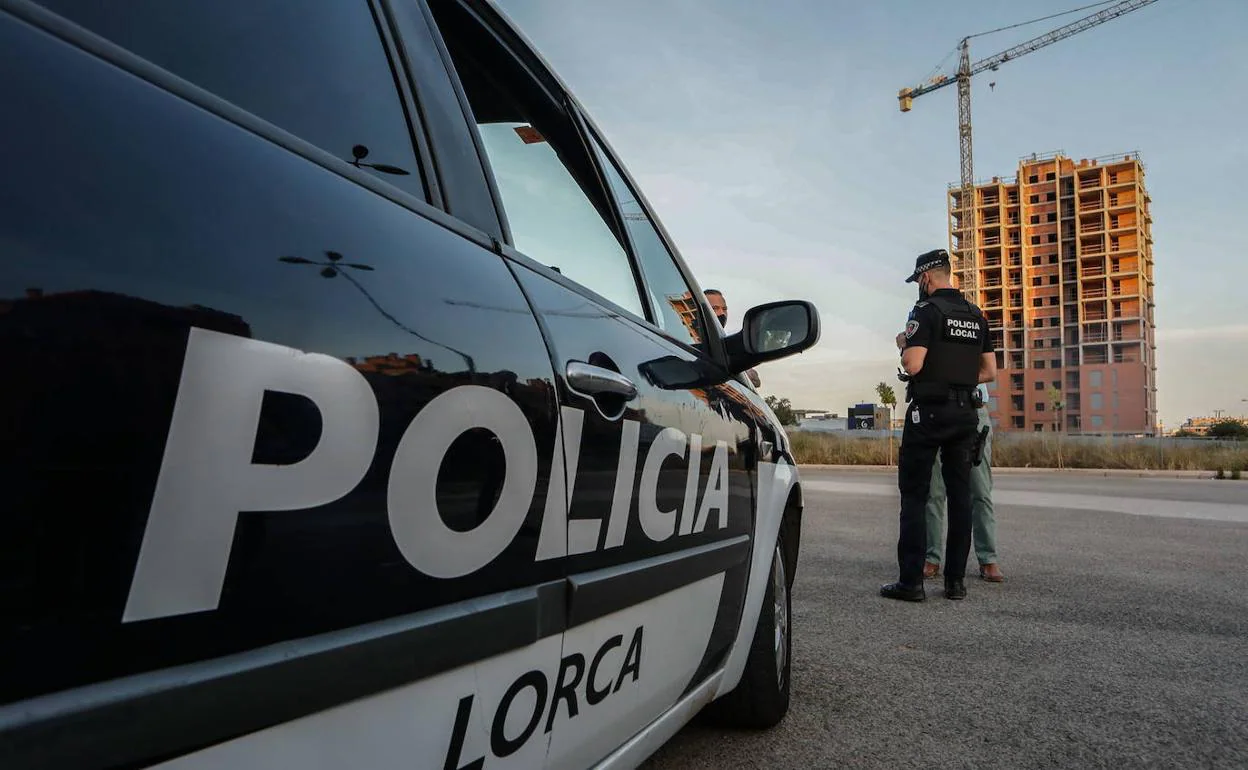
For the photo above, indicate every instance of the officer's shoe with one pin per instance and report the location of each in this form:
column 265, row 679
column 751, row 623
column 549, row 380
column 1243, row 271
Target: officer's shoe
column 955, row 588
column 904, row 592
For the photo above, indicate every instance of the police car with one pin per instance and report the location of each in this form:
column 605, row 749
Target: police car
column 357, row 411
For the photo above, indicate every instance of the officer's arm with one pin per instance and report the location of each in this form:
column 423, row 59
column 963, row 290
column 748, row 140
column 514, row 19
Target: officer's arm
column 912, row 359
column 987, row 367
column 988, row 358
column 920, row 333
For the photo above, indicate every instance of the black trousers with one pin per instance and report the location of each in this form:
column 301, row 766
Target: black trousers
column 947, row 427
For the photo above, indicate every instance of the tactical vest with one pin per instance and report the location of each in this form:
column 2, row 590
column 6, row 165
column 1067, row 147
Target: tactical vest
column 952, row 360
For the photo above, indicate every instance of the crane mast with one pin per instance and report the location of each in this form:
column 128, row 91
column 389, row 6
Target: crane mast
column 966, row 70
column 970, row 276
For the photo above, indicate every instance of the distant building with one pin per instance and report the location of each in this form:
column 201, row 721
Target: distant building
column 823, row 424
column 814, row 414
column 868, row 417
column 1064, row 273
column 1201, row 425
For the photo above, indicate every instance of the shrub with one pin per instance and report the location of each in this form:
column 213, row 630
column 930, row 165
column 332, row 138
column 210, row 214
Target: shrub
column 1040, row 451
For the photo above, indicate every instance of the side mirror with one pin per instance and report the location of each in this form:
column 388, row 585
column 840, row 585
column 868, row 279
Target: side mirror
column 773, row 331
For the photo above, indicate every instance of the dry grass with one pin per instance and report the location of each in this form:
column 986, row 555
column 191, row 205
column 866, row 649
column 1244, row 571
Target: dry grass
column 1040, row 452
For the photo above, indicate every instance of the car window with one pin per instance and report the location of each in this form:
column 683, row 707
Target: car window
column 677, row 311
column 322, row 76
column 551, row 219
column 555, row 205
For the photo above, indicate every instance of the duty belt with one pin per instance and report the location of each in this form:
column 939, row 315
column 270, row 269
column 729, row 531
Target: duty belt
column 939, row 393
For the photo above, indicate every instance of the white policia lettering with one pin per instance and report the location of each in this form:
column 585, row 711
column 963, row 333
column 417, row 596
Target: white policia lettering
column 966, row 329
column 592, row 679
column 190, row 528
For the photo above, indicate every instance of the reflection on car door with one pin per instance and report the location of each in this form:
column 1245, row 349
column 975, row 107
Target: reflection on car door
column 277, row 433
column 658, row 442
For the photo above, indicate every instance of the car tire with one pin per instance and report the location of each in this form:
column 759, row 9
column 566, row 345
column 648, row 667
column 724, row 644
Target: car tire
column 761, row 699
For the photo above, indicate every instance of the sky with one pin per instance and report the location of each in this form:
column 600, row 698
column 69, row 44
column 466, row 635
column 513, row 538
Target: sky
column 767, row 138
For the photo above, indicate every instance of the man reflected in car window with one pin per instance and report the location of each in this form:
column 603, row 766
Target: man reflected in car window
column 719, row 306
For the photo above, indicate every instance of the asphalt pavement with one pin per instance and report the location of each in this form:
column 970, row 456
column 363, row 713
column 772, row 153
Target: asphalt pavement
column 1120, row 638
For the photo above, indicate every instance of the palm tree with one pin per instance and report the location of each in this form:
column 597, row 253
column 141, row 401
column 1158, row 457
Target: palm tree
column 1056, row 404
column 889, row 399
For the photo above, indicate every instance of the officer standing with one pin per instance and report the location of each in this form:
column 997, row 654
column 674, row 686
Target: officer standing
column 945, row 352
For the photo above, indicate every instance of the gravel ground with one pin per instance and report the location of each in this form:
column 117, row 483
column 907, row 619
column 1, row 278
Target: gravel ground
column 1117, row 641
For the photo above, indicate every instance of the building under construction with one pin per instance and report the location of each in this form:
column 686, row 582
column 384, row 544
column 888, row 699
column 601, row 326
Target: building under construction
column 1064, row 273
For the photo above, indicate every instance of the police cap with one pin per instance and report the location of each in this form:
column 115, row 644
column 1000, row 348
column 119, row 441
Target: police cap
column 929, row 260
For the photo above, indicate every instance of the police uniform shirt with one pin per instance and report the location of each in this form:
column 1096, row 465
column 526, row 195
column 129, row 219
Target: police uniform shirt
column 927, row 327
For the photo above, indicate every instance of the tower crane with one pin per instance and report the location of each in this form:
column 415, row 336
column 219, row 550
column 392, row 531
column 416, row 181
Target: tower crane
column 966, row 70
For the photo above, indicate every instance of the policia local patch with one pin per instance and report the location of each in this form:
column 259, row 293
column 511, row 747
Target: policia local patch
column 963, row 330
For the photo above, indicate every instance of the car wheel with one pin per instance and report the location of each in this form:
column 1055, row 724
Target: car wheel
column 761, row 699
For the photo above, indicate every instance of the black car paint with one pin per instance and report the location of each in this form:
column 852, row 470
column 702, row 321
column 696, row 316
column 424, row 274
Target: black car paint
column 580, row 330
column 109, row 263
column 163, row 217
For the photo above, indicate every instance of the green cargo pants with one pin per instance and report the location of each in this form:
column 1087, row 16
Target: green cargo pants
column 983, row 524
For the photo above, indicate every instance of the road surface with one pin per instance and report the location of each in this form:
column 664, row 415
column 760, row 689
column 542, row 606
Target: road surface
column 1120, row 638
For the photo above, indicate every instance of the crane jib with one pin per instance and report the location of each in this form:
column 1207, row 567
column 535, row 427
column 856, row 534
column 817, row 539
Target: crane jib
column 1036, row 43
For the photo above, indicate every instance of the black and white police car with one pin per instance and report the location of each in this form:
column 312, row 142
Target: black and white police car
column 357, row 411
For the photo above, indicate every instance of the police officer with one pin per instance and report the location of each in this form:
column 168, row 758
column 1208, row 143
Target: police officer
column 945, row 352
column 719, row 306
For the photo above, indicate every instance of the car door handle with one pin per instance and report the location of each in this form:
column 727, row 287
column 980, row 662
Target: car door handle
column 593, row 381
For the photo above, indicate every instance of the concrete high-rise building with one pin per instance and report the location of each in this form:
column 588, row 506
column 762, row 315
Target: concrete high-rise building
column 1064, row 273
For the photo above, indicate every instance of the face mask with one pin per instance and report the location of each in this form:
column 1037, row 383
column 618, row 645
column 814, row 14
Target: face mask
column 723, row 320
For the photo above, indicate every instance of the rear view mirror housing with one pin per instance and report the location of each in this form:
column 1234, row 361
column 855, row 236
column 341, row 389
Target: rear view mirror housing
column 773, row 331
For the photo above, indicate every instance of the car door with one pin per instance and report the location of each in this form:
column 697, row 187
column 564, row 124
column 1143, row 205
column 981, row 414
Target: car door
column 658, row 442
column 278, row 430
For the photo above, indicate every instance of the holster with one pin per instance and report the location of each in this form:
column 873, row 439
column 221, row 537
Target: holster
column 980, row 441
